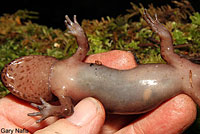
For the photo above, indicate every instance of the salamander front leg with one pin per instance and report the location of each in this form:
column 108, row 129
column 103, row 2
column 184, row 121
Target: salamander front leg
column 46, row 110
column 76, row 30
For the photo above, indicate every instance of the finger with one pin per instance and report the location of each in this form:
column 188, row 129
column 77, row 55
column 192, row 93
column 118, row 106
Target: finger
column 120, row 60
column 19, row 118
column 88, row 117
column 174, row 116
column 117, row 59
column 115, row 122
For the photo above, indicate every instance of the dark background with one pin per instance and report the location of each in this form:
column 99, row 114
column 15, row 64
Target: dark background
column 52, row 12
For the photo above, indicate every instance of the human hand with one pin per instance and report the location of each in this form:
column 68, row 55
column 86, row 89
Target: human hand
column 173, row 116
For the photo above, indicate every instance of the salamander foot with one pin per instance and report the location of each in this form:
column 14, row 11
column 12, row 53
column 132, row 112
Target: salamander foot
column 74, row 28
column 47, row 110
column 156, row 25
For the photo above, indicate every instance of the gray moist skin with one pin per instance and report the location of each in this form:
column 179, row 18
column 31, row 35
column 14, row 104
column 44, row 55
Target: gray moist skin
column 37, row 78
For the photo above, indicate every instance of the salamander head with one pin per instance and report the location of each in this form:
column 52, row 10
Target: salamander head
column 27, row 77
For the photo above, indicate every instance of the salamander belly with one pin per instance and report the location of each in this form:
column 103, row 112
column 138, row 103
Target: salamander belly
column 132, row 91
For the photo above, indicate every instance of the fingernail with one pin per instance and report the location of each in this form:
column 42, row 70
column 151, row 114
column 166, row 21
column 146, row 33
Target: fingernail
column 84, row 112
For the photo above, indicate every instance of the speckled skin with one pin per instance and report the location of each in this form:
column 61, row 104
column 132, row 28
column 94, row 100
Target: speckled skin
column 134, row 91
column 21, row 77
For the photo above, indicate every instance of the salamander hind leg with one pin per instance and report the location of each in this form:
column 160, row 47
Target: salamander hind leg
column 156, row 25
column 166, row 41
column 46, row 110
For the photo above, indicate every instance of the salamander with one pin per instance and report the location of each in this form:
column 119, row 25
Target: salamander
column 38, row 79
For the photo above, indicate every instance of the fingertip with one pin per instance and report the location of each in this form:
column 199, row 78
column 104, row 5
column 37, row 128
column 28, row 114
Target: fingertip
column 174, row 116
column 88, row 117
column 86, row 111
column 117, row 59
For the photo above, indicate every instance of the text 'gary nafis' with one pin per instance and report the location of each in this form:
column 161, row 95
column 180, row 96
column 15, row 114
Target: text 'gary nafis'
column 14, row 130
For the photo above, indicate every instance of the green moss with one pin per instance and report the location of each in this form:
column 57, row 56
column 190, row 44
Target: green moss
column 20, row 37
column 195, row 18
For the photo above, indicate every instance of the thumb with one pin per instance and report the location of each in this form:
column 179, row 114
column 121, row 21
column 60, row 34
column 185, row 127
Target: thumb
column 88, row 117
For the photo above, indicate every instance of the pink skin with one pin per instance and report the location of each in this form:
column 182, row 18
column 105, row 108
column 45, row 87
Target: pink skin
column 122, row 59
column 132, row 91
